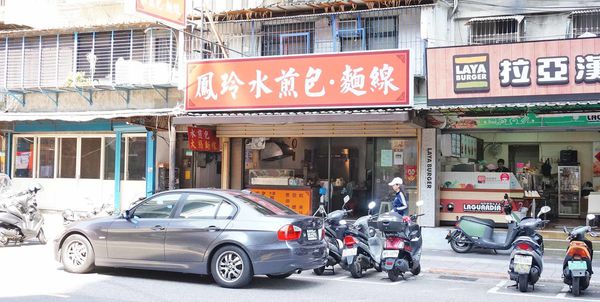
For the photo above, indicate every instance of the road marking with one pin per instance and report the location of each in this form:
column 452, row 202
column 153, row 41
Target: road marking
column 495, row 289
column 351, row 280
column 563, row 292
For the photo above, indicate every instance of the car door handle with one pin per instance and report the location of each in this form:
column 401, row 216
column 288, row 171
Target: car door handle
column 158, row 227
column 212, row 228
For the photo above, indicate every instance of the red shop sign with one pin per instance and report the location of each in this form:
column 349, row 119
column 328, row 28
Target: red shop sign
column 202, row 139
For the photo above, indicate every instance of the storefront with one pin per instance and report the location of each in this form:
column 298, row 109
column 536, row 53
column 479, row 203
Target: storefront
column 291, row 146
column 532, row 106
column 81, row 165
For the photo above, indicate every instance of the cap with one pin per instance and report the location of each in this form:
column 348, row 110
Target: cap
column 396, row 181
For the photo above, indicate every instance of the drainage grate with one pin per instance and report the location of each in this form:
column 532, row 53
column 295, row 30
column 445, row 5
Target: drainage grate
column 457, row 278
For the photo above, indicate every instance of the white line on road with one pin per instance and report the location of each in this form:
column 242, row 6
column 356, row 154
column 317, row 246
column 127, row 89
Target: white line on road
column 495, row 289
column 563, row 292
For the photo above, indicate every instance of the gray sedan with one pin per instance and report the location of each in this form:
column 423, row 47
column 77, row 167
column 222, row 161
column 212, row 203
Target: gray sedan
column 231, row 235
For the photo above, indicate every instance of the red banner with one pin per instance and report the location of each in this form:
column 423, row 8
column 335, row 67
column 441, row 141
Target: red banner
column 201, row 139
column 356, row 79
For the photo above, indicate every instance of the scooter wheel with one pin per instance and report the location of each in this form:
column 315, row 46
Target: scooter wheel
column 416, row 270
column 523, row 283
column 461, row 247
column 393, row 275
column 378, row 268
column 576, row 287
column 319, row 271
column 356, row 269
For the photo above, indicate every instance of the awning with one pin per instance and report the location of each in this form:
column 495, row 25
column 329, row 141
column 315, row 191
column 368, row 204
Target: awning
column 585, row 11
column 84, row 116
column 542, row 107
column 518, row 18
column 287, row 117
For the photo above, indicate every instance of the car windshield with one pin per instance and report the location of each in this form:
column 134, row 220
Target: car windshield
column 264, row 205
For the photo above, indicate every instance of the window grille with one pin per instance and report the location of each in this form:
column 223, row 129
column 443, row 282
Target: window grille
column 496, row 31
column 585, row 22
column 288, row 39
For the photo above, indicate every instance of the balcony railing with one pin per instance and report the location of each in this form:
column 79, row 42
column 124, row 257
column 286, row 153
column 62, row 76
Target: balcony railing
column 316, row 33
column 123, row 58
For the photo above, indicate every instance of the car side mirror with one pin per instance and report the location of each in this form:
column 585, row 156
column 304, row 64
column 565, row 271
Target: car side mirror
column 127, row 214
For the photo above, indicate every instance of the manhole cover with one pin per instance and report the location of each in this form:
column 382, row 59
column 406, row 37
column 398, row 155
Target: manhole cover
column 458, row 278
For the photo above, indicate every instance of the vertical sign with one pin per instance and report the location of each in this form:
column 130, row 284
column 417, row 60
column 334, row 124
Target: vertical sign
column 428, row 185
column 201, row 139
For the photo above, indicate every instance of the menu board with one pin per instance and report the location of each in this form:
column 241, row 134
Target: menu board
column 468, row 146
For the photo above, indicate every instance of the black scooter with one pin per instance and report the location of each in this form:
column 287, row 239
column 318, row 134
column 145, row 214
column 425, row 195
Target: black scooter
column 403, row 242
column 476, row 232
column 334, row 232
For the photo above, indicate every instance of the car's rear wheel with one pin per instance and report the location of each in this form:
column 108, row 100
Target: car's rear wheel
column 77, row 255
column 279, row 276
column 231, row 267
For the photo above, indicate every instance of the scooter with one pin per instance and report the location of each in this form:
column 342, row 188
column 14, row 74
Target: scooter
column 334, row 230
column 21, row 220
column 577, row 266
column 70, row 216
column 403, row 242
column 362, row 246
column 526, row 262
column 473, row 232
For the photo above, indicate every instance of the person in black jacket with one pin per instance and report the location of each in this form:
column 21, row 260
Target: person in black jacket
column 501, row 167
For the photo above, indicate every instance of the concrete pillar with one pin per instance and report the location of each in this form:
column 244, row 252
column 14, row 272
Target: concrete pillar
column 428, row 179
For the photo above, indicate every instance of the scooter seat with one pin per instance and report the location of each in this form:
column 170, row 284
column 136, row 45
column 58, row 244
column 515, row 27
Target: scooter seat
column 487, row 222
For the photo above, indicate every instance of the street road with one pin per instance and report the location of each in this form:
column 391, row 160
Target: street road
column 29, row 273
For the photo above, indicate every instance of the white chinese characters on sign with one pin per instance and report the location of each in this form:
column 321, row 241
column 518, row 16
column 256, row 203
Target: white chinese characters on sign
column 258, row 85
column 588, row 69
column 381, row 79
column 230, row 82
column 552, row 70
column 353, row 81
column 205, row 89
column 287, row 82
column 515, row 73
column 312, row 76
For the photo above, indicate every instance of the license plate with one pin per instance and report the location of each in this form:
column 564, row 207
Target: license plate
column 311, row 234
column 522, row 264
column 348, row 252
column 577, row 265
column 389, row 254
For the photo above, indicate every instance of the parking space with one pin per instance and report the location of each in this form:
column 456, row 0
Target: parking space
column 548, row 290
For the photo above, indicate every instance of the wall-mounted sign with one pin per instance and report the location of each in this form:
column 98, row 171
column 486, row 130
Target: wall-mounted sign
column 531, row 120
column 357, row 79
column 171, row 12
column 201, row 139
column 541, row 71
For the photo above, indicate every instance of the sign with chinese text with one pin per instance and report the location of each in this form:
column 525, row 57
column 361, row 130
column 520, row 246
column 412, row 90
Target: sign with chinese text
column 358, row 79
column 530, row 120
column 171, row 12
column 201, row 139
column 542, row 71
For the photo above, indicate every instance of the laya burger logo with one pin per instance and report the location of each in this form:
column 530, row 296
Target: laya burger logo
column 471, row 73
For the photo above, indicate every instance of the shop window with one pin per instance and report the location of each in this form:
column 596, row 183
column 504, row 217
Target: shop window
column 496, row 31
column 136, row 158
column 90, row 157
column 67, row 157
column 382, row 33
column 586, row 22
column 109, row 158
column 2, row 154
column 24, row 157
column 395, row 157
column 46, row 157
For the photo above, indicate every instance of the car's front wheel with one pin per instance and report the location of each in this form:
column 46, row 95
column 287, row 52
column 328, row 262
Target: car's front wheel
column 77, row 255
column 231, row 267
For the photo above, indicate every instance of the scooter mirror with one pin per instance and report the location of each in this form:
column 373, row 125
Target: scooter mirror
column 544, row 210
column 372, row 205
column 346, row 199
column 565, row 229
column 420, row 203
column 343, row 222
column 590, row 216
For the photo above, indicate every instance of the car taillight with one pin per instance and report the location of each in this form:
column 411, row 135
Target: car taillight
column 349, row 241
column 524, row 246
column 289, row 232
